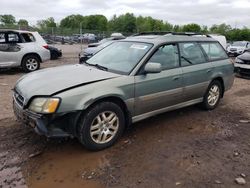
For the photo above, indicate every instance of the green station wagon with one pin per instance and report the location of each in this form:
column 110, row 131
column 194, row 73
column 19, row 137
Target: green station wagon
column 126, row 82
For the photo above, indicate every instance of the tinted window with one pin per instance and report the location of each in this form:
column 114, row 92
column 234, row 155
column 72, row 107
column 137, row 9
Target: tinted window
column 28, row 37
column 167, row 56
column 214, row 51
column 191, row 53
column 2, row 38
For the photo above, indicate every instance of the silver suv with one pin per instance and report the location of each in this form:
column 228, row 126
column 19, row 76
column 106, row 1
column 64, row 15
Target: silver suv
column 22, row 48
column 238, row 48
column 126, row 82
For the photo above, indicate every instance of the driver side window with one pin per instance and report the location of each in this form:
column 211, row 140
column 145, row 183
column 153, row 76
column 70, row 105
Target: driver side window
column 167, row 56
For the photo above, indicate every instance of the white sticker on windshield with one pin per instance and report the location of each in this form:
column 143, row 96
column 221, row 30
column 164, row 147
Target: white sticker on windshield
column 139, row 46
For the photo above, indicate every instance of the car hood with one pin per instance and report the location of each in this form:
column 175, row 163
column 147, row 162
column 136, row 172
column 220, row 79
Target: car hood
column 55, row 80
column 245, row 56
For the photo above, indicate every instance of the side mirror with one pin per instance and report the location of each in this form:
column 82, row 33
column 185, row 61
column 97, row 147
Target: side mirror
column 152, row 67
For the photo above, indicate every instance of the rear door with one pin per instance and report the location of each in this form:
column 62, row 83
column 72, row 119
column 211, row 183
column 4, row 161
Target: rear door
column 197, row 70
column 156, row 91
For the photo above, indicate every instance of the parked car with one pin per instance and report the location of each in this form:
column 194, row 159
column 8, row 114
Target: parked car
column 22, row 49
column 126, row 82
column 242, row 64
column 106, row 40
column 238, row 47
column 55, row 53
column 90, row 51
column 88, row 37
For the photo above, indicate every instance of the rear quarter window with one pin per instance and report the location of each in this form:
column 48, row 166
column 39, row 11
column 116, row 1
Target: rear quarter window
column 214, row 50
column 28, row 37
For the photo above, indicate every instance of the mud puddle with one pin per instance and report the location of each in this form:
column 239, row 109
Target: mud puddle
column 68, row 166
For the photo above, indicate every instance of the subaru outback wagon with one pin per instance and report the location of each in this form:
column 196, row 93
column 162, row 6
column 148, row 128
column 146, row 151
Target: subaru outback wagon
column 126, row 82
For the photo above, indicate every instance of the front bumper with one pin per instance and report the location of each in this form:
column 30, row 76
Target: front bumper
column 49, row 125
column 242, row 69
column 234, row 53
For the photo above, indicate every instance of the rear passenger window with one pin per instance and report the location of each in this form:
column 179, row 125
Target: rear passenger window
column 214, row 50
column 191, row 54
column 13, row 38
column 167, row 56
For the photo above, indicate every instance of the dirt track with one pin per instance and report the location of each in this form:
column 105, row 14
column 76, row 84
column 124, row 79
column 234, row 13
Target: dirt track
column 185, row 148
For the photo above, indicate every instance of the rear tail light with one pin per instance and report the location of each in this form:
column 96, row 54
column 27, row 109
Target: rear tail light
column 46, row 47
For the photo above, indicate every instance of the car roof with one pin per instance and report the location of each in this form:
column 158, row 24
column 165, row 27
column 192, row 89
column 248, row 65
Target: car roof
column 17, row 31
column 159, row 39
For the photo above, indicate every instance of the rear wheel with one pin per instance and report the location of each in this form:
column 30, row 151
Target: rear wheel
column 101, row 126
column 30, row 63
column 213, row 95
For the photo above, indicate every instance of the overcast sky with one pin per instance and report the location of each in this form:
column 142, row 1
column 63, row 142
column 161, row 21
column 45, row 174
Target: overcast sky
column 204, row 12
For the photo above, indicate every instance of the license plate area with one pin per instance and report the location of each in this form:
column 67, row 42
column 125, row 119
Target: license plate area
column 21, row 116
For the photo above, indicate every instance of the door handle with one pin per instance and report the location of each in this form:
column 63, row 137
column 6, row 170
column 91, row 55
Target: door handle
column 209, row 70
column 176, row 78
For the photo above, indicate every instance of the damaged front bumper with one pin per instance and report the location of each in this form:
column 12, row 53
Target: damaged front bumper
column 49, row 125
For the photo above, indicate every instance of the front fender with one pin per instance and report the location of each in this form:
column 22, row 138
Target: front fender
column 81, row 98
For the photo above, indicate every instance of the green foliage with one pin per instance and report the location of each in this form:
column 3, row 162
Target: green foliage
column 123, row 23
column 191, row 28
column 47, row 23
column 73, row 21
column 144, row 24
column 23, row 22
column 7, row 19
column 126, row 23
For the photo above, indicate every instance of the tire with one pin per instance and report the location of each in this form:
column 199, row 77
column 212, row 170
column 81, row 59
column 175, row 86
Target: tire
column 212, row 96
column 30, row 63
column 97, row 133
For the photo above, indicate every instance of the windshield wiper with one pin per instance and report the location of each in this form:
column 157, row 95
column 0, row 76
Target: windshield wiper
column 97, row 66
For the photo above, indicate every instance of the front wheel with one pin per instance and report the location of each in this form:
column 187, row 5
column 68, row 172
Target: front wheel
column 212, row 96
column 101, row 126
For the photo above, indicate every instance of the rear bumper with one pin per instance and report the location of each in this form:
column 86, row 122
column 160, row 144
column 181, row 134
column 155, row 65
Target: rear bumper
column 50, row 125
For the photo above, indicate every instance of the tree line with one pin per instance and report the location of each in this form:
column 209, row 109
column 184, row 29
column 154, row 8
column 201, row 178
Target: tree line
column 126, row 23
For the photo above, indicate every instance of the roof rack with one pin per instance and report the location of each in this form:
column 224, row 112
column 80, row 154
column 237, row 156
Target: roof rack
column 170, row 33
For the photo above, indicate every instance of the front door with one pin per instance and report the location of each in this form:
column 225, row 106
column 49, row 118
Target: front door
column 10, row 49
column 156, row 91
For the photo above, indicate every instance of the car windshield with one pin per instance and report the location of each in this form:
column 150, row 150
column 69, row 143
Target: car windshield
column 120, row 57
column 103, row 45
column 238, row 43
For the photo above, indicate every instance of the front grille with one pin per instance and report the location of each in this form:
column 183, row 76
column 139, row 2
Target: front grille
column 19, row 98
column 247, row 62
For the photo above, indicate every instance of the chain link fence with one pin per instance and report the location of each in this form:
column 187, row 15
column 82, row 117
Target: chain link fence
column 54, row 35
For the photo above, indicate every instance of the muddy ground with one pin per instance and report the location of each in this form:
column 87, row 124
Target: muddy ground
column 188, row 148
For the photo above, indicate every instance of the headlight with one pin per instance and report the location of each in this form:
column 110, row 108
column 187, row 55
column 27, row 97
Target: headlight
column 237, row 60
column 44, row 105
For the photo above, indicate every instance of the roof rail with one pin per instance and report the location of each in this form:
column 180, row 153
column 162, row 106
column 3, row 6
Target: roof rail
column 170, row 33
column 152, row 33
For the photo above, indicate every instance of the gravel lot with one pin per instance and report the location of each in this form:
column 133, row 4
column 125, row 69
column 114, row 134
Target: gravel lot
column 188, row 148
